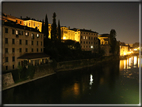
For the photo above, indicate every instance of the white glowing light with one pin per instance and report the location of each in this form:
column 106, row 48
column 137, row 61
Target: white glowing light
column 91, row 46
column 64, row 37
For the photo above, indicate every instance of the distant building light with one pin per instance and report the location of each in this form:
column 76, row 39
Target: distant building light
column 91, row 46
column 64, row 37
column 37, row 35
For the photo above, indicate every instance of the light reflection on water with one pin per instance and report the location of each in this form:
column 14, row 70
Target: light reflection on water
column 107, row 83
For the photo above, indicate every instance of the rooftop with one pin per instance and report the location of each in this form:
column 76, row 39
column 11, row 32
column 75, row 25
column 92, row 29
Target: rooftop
column 13, row 24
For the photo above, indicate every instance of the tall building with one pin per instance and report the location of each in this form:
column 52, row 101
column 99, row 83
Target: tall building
column 21, row 44
column 88, row 39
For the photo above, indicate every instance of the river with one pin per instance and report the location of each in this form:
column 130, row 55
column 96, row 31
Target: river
column 114, row 82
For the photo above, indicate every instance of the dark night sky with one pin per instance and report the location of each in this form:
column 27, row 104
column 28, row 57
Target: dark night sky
column 99, row 17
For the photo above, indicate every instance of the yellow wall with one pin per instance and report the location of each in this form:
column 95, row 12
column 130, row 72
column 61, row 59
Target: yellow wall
column 33, row 24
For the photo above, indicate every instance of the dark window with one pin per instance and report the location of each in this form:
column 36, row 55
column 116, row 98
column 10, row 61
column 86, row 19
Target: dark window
column 20, row 49
column 86, row 42
column 81, row 37
column 37, row 49
column 20, row 22
column 13, row 66
column 89, row 38
column 13, row 31
column 26, row 49
column 37, row 42
column 13, row 50
column 6, row 59
column 20, row 41
column 81, row 41
column 6, row 67
column 41, row 43
column 6, row 50
column 26, row 42
column 21, row 32
column 16, row 21
column 41, row 49
column 32, row 50
column 6, row 30
column 13, row 58
column 13, row 41
column 32, row 42
column 89, row 42
column 94, row 38
column 19, row 63
column 6, row 40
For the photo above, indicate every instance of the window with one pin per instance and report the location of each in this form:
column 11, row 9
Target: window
column 13, row 50
column 37, row 49
column 20, row 22
column 89, row 38
column 20, row 41
column 41, row 43
column 32, row 36
column 37, row 42
column 37, row 35
column 81, row 42
column 20, row 50
column 41, row 36
column 13, row 41
column 86, row 37
column 16, row 32
column 26, row 50
column 6, row 67
column 6, row 40
column 89, row 42
column 26, row 41
column 13, row 58
column 86, row 42
column 32, row 42
column 6, row 50
column 13, row 31
column 16, row 21
column 91, row 46
column 32, row 50
column 13, row 66
column 83, row 37
column 21, row 32
column 27, row 33
column 6, row 30
column 41, row 49
column 19, row 63
column 6, row 59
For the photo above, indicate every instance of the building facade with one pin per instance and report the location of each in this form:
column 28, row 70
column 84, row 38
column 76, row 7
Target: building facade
column 19, row 42
column 104, row 44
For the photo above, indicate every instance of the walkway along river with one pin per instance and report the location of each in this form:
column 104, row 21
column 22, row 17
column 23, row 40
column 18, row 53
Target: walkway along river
column 114, row 82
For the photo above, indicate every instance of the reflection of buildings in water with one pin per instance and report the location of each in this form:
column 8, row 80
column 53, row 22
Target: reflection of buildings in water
column 125, row 64
column 135, row 61
column 91, row 79
column 121, row 65
column 76, row 88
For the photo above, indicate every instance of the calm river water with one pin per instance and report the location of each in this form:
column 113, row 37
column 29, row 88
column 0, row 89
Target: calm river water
column 114, row 82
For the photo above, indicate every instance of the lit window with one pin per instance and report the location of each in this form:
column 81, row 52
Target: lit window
column 91, row 46
column 83, row 37
column 37, row 35
column 16, row 32
column 26, row 33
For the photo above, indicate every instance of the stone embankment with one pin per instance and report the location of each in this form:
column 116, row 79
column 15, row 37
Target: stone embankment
column 46, row 70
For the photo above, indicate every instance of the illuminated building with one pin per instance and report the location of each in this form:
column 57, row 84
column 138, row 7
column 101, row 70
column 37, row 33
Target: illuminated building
column 12, row 18
column 124, row 49
column 104, row 43
column 88, row 39
column 21, row 44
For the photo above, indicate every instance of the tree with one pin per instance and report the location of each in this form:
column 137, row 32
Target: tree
column 54, row 28
column 113, row 41
column 59, row 31
column 46, row 27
